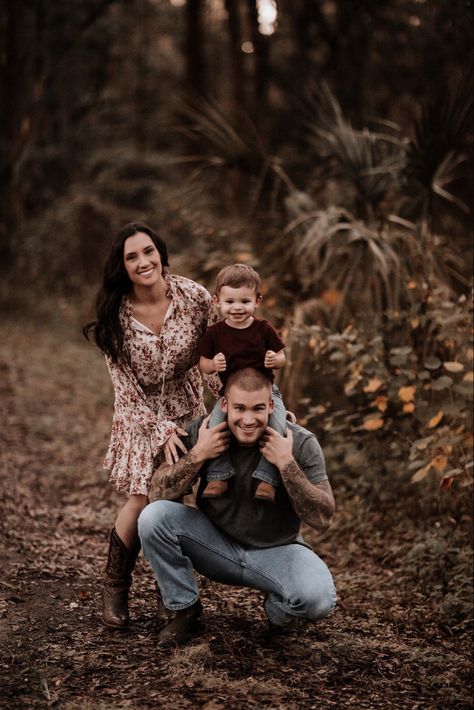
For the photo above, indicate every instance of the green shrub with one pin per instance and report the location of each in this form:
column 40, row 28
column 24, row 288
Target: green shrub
column 398, row 404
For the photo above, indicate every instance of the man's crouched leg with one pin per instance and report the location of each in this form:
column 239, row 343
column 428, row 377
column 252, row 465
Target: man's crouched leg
column 186, row 625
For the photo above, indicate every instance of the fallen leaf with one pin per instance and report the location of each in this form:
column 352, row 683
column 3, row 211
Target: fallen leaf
column 373, row 385
column 331, row 297
column 423, row 443
column 446, row 483
column 407, row 394
column 452, row 366
column 469, row 376
column 409, row 407
column 432, row 363
column 440, row 462
column 434, row 421
column 421, row 473
column 373, row 424
column 441, row 383
column 381, row 403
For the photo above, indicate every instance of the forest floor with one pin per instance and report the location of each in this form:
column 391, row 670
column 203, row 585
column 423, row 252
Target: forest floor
column 387, row 645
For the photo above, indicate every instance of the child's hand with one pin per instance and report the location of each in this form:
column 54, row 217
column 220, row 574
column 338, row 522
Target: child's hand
column 270, row 359
column 219, row 362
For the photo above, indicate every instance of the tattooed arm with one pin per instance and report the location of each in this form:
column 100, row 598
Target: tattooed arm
column 313, row 502
column 172, row 481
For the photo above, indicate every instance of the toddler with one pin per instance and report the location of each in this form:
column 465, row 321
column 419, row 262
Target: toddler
column 240, row 340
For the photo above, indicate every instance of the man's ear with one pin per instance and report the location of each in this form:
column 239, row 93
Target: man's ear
column 271, row 406
column 224, row 405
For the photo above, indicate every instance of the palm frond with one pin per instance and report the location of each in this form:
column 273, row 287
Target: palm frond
column 371, row 160
column 369, row 268
column 209, row 127
column 437, row 152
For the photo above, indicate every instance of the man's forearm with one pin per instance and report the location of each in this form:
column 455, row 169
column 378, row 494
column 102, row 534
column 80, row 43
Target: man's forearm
column 313, row 502
column 172, row 481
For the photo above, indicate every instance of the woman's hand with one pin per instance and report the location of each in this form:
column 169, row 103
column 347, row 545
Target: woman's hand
column 173, row 445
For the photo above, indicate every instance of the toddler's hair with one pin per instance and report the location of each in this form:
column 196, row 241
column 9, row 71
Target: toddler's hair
column 238, row 275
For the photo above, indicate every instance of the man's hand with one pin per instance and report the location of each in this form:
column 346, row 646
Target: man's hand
column 276, row 448
column 211, row 442
column 219, row 362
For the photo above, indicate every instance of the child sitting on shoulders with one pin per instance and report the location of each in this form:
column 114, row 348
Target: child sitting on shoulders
column 240, row 340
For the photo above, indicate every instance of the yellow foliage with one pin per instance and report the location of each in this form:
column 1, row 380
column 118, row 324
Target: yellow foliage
column 244, row 256
column 440, row 462
column 331, row 297
column 373, row 385
column 468, row 440
column 434, row 421
column 407, row 394
column 373, row 424
column 381, row 403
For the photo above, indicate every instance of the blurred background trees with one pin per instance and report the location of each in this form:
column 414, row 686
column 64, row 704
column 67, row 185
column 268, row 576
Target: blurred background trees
column 329, row 143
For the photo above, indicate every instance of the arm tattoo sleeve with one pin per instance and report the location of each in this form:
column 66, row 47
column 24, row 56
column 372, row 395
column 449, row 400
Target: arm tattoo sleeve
column 313, row 502
column 170, row 482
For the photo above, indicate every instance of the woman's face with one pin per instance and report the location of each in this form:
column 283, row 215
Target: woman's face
column 142, row 260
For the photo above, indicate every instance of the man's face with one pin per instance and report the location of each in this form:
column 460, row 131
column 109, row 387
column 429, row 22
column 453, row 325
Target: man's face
column 247, row 413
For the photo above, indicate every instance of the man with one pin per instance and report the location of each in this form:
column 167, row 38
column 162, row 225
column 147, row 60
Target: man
column 237, row 539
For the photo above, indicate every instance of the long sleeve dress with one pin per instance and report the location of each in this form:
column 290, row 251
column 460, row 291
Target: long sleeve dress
column 158, row 385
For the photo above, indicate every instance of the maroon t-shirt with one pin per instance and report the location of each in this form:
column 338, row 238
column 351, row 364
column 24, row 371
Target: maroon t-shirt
column 242, row 347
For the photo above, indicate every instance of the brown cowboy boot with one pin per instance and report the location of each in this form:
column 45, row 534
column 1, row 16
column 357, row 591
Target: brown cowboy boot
column 186, row 624
column 118, row 578
column 215, row 489
column 265, row 491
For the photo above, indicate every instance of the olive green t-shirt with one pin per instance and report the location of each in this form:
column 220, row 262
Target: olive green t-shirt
column 254, row 522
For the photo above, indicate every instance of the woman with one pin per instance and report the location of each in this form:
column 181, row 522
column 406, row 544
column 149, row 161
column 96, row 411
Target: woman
column 148, row 326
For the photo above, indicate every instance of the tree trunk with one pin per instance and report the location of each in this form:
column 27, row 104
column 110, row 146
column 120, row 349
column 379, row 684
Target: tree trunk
column 261, row 49
column 194, row 47
column 237, row 70
column 18, row 70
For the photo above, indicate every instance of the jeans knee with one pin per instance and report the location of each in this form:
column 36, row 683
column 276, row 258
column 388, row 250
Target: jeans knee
column 320, row 602
column 151, row 516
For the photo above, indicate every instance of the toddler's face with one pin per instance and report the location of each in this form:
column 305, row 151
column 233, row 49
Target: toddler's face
column 238, row 305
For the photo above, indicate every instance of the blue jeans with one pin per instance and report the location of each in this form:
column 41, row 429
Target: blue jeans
column 177, row 539
column 221, row 469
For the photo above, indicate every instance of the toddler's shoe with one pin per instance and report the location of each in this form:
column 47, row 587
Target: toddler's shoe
column 265, row 491
column 215, row 489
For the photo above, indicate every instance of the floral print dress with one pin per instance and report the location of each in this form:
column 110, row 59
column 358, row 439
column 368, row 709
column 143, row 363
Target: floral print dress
column 158, row 386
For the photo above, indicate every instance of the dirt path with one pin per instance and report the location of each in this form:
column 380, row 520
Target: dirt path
column 384, row 647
